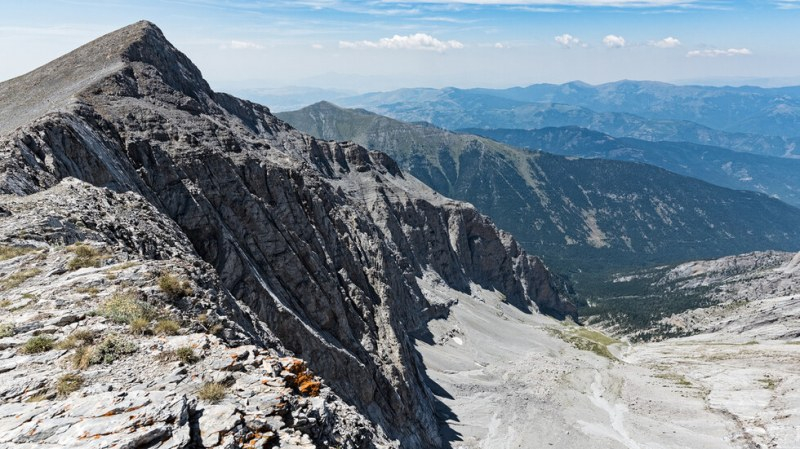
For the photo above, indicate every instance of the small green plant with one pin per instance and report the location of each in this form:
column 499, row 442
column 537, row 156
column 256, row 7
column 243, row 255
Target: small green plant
column 68, row 383
column 173, row 287
column 16, row 279
column 586, row 339
column 212, row 392
column 139, row 326
column 124, row 308
column 769, row 383
column 187, row 355
column 110, row 349
column 167, row 327
column 6, row 330
column 78, row 338
column 37, row 344
column 85, row 257
column 10, row 252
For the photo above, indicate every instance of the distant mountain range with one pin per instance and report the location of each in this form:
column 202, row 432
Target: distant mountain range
column 756, row 110
column 778, row 177
column 580, row 214
column 531, row 108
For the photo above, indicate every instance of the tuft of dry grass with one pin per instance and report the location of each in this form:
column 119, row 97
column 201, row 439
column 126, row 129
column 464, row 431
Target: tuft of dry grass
column 212, row 392
column 125, row 307
column 69, row 383
column 167, row 327
column 78, row 338
column 82, row 358
column 184, row 354
column 10, row 252
column 85, row 257
column 173, row 287
column 17, row 278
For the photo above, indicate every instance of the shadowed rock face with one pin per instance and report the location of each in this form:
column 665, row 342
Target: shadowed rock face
column 323, row 241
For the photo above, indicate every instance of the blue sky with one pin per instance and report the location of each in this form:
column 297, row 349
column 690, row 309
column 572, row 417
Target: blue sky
column 384, row 44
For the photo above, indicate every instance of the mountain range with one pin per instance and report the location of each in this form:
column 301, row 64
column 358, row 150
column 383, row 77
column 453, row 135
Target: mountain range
column 454, row 108
column 773, row 176
column 578, row 214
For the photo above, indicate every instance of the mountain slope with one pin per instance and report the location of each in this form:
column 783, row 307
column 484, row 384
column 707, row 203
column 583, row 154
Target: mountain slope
column 770, row 175
column 749, row 109
column 459, row 108
column 580, row 214
column 324, row 242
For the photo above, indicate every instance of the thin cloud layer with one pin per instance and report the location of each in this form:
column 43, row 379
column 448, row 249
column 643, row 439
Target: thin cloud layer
column 716, row 53
column 241, row 45
column 613, row 41
column 418, row 41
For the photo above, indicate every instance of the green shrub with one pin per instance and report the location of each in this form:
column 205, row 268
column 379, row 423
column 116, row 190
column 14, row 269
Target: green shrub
column 124, row 308
column 212, row 392
column 167, row 327
column 38, row 344
column 85, row 257
column 6, row 330
column 68, row 383
column 110, row 349
column 173, row 287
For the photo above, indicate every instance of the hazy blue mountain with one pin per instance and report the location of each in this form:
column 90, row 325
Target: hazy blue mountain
column 768, row 111
column 289, row 98
column 580, row 214
column 483, row 108
column 778, row 177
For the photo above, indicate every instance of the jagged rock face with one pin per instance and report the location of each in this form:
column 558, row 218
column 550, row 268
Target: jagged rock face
column 323, row 241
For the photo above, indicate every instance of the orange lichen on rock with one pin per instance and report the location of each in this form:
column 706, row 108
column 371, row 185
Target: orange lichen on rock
column 302, row 379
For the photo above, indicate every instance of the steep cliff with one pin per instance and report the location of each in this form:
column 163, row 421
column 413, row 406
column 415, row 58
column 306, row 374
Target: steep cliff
column 324, row 242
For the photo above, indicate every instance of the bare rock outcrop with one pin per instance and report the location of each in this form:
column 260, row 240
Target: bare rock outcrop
column 324, row 242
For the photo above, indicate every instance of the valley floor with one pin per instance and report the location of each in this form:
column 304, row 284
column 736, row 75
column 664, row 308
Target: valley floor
column 508, row 379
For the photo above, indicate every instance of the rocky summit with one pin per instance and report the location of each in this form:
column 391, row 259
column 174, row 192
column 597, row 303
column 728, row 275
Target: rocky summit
column 180, row 268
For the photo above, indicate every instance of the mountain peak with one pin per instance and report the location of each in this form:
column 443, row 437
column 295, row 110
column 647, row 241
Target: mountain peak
column 53, row 86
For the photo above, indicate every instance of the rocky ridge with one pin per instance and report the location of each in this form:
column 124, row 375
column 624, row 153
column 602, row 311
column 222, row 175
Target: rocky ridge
column 76, row 371
column 317, row 246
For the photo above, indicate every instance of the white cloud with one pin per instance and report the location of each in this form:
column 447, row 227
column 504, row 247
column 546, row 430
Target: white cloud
column 317, row 46
column 242, row 45
column 612, row 41
column 499, row 45
column 568, row 41
column 419, row 41
column 715, row 53
column 667, row 42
